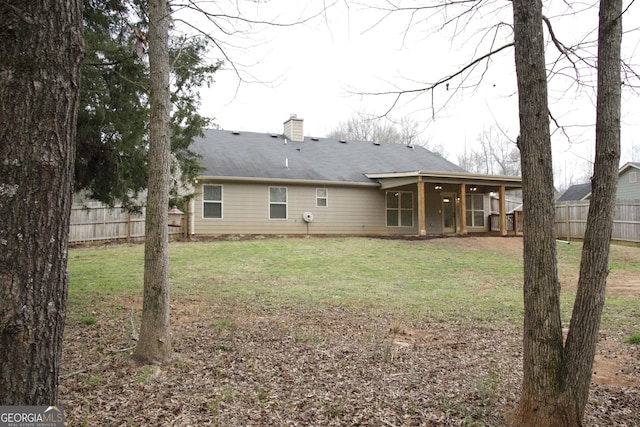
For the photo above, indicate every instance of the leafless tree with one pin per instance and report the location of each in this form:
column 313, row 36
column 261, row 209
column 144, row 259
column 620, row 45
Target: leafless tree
column 236, row 28
column 223, row 27
column 556, row 374
column 491, row 154
column 368, row 127
column 154, row 343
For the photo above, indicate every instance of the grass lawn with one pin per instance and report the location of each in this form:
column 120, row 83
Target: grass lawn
column 330, row 331
column 433, row 279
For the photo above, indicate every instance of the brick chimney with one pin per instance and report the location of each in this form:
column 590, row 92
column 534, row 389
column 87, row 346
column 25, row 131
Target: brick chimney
column 294, row 129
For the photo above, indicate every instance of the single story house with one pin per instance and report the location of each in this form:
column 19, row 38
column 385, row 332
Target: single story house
column 260, row 183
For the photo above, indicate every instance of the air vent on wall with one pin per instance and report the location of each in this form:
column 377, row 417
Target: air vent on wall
column 307, row 216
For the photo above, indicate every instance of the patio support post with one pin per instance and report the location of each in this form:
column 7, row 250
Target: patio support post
column 503, row 211
column 463, row 209
column 422, row 217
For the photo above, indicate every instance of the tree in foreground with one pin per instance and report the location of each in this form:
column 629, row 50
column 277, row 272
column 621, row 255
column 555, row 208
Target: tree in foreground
column 154, row 344
column 557, row 374
column 41, row 50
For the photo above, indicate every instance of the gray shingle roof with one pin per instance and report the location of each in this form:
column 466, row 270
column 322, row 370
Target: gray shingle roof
column 575, row 192
column 261, row 155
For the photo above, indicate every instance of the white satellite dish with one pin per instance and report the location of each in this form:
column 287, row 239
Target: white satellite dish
column 307, row 217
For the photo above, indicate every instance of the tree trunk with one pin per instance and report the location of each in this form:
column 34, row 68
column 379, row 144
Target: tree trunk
column 556, row 378
column 543, row 363
column 154, row 345
column 41, row 50
column 580, row 347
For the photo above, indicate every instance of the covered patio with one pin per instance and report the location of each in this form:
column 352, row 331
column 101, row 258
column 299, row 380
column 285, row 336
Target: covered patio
column 443, row 195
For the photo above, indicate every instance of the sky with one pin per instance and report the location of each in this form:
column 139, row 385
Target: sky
column 323, row 70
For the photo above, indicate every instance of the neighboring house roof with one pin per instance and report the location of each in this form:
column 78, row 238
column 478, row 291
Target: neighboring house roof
column 629, row 165
column 576, row 192
column 227, row 154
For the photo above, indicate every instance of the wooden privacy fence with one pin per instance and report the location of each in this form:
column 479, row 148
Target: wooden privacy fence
column 97, row 222
column 571, row 220
column 514, row 222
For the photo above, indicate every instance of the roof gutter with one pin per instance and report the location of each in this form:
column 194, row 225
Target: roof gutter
column 452, row 177
column 246, row 179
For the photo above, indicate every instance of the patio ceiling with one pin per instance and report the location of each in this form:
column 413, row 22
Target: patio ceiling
column 485, row 183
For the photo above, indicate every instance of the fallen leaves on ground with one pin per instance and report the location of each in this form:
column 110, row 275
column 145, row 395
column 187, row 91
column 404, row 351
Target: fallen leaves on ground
column 240, row 365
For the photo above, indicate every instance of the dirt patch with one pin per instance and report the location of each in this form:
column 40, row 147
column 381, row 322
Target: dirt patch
column 239, row 364
column 618, row 370
column 619, row 283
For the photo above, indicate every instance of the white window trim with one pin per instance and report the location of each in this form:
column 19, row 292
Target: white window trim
column 211, row 201
column 326, row 197
column 286, row 203
column 473, row 210
column 386, row 211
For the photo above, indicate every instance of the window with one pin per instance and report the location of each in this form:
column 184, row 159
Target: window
column 475, row 210
column 633, row 177
column 322, row 200
column 277, row 202
column 212, row 201
column 399, row 208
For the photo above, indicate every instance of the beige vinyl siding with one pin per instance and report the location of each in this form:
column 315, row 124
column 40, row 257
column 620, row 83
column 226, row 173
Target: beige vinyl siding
column 350, row 210
column 294, row 129
column 354, row 210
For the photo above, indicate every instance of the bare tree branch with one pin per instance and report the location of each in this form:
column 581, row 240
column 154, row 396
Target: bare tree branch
column 443, row 81
column 235, row 26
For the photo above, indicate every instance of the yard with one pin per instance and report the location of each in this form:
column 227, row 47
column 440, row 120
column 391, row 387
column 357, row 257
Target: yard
column 330, row 331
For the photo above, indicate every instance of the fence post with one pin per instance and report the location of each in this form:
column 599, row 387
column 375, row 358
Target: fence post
column 568, row 223
column 128, row 225
column 185, row 221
